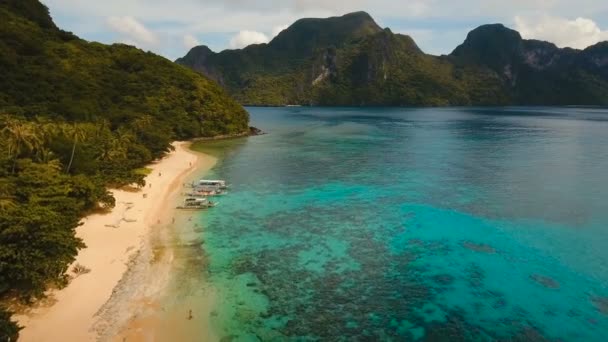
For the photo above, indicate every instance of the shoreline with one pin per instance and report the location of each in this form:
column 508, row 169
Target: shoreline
column 129, row 254
column 163, row 315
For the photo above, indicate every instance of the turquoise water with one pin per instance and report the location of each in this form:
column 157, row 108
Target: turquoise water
column 413, row 224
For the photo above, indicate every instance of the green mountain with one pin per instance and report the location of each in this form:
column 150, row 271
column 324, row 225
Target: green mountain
column 76, row 117
column 350, row 60
column 536, row 72
column 46, row 71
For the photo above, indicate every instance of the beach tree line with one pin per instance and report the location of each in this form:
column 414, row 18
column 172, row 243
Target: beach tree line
column 51, row 174
column 76, row 118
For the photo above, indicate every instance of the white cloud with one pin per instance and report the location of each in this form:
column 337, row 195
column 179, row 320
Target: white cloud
column 170, row 21
column 578, row 33
column 245, row 38
column 133, row 31
column 190, row 41
column 277, row 29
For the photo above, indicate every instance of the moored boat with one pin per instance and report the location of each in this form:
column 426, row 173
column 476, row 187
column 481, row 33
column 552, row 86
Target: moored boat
column 194, row 203
column 203, row 192
column 213, row 183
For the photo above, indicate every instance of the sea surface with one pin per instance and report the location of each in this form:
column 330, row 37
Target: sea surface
column 456, row 224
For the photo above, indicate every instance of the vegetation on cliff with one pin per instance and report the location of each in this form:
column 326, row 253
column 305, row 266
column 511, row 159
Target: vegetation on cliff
column 350, row 60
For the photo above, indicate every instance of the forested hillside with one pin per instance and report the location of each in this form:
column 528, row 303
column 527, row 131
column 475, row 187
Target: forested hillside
column 76, row 117
column 350, row 60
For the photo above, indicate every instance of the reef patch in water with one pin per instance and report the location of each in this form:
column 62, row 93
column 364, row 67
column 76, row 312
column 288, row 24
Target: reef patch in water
column 478, row 247
column 545, row 281
column 601, row 303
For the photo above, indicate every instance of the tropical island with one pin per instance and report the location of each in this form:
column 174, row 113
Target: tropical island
column 352, row 61
column 94, row 147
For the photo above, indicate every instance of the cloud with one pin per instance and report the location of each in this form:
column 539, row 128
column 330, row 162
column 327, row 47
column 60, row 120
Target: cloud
column 245, row 38
column 190, row 41
column 132, row 30
column 578, row 33
column 215, row 22
column 277, row 29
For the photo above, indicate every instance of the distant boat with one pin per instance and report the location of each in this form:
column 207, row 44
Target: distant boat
column 212, row 183
column 193, row 203
column 293, row 105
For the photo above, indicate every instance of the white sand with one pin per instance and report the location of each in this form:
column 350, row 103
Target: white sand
column 75, row 311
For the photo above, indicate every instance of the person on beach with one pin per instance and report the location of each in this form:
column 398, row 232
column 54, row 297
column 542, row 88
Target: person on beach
column 159, row 174
column 190, row 314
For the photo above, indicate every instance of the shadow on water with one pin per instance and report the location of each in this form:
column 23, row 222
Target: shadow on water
column 220, row 148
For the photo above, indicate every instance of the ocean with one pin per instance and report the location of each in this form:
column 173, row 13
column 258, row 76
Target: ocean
column 392, row 224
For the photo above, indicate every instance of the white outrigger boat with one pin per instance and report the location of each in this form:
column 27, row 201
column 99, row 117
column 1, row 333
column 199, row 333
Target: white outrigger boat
column 197, row 204
column 206, row 192
column 212, row 183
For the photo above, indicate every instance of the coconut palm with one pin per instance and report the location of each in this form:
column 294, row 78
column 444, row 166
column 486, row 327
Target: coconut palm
column 101, row 127
column 7, row 200
column 142, row 123
column 120, row 144
column 48, row 132
column 45, row 155
column 77, row 134
column 20, row 137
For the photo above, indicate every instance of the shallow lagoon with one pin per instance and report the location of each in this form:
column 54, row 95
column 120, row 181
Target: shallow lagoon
column 412, row 224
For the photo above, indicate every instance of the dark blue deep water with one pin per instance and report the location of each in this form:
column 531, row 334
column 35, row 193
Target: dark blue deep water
column 413, row 224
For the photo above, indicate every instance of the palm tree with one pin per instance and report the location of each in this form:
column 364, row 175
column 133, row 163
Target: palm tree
column 48, row 131
column 101, row 126
column 142, row 122
column 7, row 200
column 77, row 134
column 20, row 137
column 45, row 155
column 120, row 144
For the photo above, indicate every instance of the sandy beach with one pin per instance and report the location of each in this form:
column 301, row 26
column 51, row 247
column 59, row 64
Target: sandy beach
column 129, row 256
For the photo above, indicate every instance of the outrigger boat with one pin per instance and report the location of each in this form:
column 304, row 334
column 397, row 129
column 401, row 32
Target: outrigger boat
column 197, row 204
column 212, row 183
column 204, row 192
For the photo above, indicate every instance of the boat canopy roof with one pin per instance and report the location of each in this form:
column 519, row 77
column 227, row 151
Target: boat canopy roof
column 212, row 181
column 193, row 199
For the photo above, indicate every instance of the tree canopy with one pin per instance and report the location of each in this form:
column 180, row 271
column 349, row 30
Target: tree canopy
column 75, row 118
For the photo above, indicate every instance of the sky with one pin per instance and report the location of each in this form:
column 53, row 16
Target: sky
column 171, row 28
